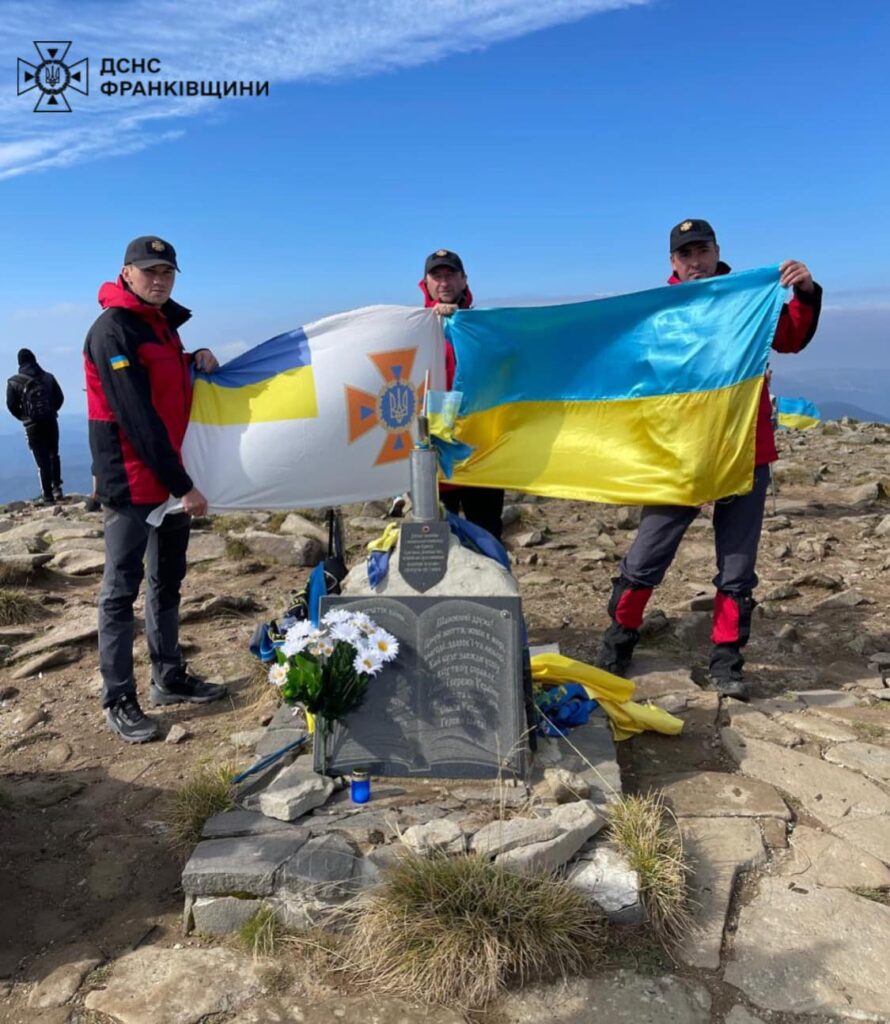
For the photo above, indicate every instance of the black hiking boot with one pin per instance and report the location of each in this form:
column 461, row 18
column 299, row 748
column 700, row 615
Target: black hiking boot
column 127, row 719
column 616, row 649
column 183, row 687
column 725, row 672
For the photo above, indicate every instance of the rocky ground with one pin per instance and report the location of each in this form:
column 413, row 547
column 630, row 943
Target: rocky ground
column 784, row 804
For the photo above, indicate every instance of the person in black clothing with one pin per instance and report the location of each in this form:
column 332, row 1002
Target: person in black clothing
column 33, row 396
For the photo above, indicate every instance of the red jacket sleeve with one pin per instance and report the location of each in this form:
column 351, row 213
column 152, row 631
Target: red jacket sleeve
column 798, row 321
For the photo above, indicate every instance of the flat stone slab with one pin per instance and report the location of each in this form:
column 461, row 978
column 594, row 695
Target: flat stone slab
column 78, row 562
column 828, row 792
column 869, row 834
column 827, row 699
column 813, row 951
column 218, row 867
column 437, row 836
column 655, row 676
column 295, row 791
column 748, row 721
column 204, row 547
column 324, row 867
column 817, row 727
column 867, row 758
column 176, row 986
column 44, row 662
column 820, row 858
column 61, row 984
column 719, row 795
column 364, row 1009
column 242, row 823
column 718, row 850
column 741, row 1015
column 591, row 756
column 616, row 997
column 73, row 632
column 501, row 836
column 578, row 823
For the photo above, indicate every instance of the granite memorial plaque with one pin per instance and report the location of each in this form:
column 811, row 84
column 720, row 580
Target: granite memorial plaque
column 451, row 704
column 423, row 554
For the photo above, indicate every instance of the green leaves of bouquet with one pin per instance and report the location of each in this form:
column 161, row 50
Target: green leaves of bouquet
column 327, row 668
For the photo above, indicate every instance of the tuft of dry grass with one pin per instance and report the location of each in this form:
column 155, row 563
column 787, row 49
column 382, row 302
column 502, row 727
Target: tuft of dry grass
column 16, row 574
column 641, row 829
column 261, row 935
column 231, row 522
column 456, row 930
column 17, row 607
column 209, row 791
column 236, row 548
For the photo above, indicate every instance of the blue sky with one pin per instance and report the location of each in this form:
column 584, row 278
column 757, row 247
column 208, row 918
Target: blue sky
column 552, row 145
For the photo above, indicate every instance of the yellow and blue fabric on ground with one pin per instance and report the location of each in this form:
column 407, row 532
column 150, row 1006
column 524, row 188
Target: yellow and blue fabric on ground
column 614, row 694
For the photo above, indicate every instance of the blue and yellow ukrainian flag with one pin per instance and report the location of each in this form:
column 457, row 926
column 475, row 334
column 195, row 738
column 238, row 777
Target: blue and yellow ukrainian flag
column 271, row 382
column 797, row 413
column 648, row 398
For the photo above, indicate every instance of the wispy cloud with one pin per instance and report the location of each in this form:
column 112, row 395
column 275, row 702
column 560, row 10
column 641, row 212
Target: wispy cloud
column 279, row 41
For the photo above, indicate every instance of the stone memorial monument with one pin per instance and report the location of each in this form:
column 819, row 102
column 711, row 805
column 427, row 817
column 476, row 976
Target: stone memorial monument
column 452, row 704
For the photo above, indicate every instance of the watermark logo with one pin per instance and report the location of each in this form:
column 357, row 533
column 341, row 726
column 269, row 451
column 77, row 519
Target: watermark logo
column 52, row 76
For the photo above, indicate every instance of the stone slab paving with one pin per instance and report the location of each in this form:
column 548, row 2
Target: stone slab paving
column 741, row 1015
column 61, row 984
column 718, row 849
column 616, row 997
column 748, row 721
column 820, row 858
column 176, row 986
column 366, row 1009
column 655, row 676
column 828, row 792
column 242, row 823
column 813, row 950
column 817, row 727
column 867, row 758
column 720, row 795
column 869, row 834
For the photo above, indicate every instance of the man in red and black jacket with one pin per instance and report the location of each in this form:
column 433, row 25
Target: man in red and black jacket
column 695, row 256
column 445, row 289
column 139, row 394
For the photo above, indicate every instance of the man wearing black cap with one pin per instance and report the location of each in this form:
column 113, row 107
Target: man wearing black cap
column 445, row 289
column 139, row 395
column 33, row 396
column 737, row 519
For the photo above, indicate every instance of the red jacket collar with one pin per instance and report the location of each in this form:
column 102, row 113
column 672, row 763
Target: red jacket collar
column 722, row 268
column 466, row 300
column 116, row 295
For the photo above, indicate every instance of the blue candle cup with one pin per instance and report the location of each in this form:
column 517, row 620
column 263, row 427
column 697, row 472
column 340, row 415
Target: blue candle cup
column 360, row 787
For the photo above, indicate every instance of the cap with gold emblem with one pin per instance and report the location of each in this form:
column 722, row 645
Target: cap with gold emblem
column 149, row 251
column 691, row 231
column 443, row 258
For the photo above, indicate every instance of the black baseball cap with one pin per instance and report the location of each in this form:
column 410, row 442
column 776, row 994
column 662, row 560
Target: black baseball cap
column 149, row 251
column 443, row 258
column 688, row 231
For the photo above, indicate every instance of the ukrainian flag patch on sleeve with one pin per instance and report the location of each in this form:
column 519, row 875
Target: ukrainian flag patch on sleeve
column 119, row 362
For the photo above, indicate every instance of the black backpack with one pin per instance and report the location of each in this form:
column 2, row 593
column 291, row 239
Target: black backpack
column 37, row 402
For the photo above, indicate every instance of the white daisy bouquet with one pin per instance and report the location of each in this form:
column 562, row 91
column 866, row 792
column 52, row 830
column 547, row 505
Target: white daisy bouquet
column 327, row 667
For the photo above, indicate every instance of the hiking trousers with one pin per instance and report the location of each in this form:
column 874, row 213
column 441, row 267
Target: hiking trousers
column 43, row 440
column 738, row 521
column 131, row 548
column 483, row 506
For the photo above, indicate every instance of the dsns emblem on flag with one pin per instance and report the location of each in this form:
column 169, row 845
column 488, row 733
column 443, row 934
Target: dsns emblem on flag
column 393, row 408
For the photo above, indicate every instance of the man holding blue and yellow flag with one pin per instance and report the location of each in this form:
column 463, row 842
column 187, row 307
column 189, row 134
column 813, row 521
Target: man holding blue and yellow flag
column 695, row 256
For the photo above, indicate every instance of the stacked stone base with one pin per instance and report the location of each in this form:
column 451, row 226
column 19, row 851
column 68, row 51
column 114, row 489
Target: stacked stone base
column 297, row 844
